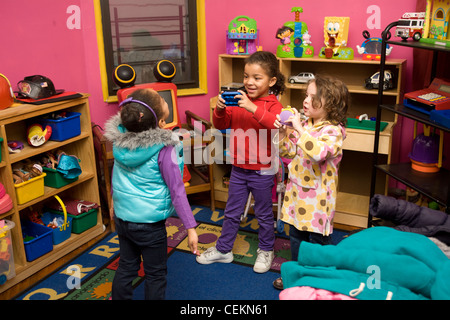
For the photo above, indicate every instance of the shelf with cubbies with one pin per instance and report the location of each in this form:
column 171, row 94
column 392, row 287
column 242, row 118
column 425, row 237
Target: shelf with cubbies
column 13, row 126
column 355, row 170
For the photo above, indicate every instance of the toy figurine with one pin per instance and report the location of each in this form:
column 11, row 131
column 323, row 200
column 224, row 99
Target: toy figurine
column 336, row 36
column 295, row 39
column 284, row 34
column 371, row 47
column 37, row 135
column 242, row 35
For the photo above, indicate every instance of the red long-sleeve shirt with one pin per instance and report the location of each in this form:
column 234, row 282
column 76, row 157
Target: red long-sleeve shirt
column 251, row 134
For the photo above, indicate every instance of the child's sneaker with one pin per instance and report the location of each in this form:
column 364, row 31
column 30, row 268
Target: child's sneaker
column 263, row 261
column 212, row 255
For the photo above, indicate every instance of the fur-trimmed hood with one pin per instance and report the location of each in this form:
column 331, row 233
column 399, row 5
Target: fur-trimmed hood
column 134, row 148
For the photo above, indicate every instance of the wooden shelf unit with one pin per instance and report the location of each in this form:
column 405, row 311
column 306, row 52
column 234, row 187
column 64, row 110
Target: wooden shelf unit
column 13, row 124
column 355, row 170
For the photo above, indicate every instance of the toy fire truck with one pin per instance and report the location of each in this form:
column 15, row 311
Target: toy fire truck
column 411, row 26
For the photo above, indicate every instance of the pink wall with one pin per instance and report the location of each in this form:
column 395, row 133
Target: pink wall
column 37, row 38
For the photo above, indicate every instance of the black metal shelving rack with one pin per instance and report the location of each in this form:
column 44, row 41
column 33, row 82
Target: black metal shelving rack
column 435, row 186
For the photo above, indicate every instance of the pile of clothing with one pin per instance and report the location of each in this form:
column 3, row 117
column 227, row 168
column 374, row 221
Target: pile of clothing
column 402, row 262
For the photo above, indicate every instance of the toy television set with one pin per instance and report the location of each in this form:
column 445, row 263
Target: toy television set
column 166, row 90
column 435, row 97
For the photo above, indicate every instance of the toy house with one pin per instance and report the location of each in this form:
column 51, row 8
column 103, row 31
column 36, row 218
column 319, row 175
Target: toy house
column 242, row 36
column 294, row 38
column 437, row 18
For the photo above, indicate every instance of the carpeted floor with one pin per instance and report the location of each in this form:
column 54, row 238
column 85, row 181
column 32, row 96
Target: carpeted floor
column 89, row 276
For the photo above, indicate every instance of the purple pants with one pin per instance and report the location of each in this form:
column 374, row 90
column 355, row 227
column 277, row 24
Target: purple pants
column 242, row 182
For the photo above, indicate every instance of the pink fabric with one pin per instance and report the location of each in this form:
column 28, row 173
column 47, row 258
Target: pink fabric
column 308, row 293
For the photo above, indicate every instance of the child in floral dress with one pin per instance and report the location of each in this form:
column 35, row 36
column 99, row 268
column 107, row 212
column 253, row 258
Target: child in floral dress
column 315, row 146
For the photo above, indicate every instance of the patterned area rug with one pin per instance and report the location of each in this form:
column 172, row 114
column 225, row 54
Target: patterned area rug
column 89, row 276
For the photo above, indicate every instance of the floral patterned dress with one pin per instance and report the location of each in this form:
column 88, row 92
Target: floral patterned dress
column 310, row 199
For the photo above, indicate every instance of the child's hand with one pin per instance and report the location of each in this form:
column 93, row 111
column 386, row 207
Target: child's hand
column 296, row 121
column 220, row 102
column 244, row 102
column 193, row 241
column 281, row 128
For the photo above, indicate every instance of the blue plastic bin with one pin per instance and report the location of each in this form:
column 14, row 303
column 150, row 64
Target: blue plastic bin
column 64, row 128
column 62, row 233
column 41, row 243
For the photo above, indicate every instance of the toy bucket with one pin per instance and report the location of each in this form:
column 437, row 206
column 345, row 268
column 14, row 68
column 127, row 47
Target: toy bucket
column 63, row 232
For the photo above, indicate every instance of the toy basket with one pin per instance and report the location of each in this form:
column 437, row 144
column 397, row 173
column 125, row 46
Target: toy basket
column 62, row 233
column 55, row 179
column 37, row 239
column 64, row 128
column 82, row 222
column 7, row 270
column 31, row 189
column 365, row 124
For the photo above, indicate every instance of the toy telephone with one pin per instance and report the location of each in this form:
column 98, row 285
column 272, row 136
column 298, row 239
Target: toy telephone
column 435, row 97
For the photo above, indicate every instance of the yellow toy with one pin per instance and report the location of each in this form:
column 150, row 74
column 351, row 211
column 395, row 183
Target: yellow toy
column 37, row 135
column 336, row 37
column 437, row 19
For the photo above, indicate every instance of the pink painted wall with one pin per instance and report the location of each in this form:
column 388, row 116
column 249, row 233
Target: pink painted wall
column 37, row 39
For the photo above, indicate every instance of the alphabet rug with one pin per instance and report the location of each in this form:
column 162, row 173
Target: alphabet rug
column 89, row 276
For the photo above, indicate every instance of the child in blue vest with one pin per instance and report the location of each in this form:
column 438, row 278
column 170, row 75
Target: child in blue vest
column 147, row 188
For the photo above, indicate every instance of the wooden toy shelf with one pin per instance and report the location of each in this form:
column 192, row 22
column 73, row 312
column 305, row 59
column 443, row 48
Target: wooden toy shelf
column 13, row 123
column 356, row 167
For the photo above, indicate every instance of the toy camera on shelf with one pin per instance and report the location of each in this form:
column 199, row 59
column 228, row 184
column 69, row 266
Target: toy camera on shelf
column 242, row 36
column 336, row 39
column 295, row 39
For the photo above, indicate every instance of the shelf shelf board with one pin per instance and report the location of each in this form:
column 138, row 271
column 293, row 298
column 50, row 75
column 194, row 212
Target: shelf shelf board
column 432, row 185
column 414, row 115
column 351, row 88
column 418, row 45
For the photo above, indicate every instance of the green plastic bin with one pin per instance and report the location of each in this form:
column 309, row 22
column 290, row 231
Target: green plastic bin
column 54, row 179
column 81, row 222
column 364, row 124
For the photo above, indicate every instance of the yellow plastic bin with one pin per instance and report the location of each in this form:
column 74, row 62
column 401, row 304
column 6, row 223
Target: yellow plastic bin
column 7, row 270
column 31, row 189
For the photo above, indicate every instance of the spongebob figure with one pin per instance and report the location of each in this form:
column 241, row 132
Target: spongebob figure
column 336, row 36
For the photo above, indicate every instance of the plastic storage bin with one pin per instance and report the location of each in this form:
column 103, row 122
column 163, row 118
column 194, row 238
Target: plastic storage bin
column 82, row 222
column 64, row 128
column 63, row 232
column 55, row 179
column 7, row 270
column 31, row 189
column 364, row 124
column 38, row 240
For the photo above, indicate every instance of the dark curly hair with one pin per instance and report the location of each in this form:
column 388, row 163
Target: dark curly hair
column 333, row 94
column 136, row 117
column 269, row 63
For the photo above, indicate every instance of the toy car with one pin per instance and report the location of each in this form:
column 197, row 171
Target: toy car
column 373, row 81
column 302, row 77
